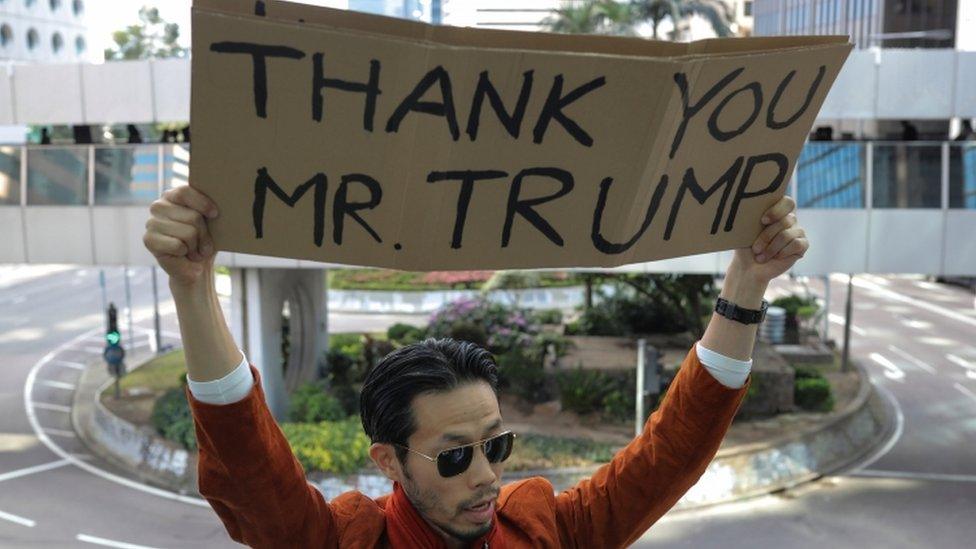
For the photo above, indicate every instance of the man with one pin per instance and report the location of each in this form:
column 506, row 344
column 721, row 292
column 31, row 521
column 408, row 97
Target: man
column 432, row 414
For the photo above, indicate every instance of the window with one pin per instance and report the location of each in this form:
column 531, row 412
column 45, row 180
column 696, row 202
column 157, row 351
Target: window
column 6, row 35
column 78, row 7
column 747, row 8
column 32, row 39
column 55, row 4
column 57, row 42
column 29, row 3
column 80, row 45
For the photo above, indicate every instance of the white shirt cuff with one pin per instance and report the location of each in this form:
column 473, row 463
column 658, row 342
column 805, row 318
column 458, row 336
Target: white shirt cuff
column 728, row 371
column 231, row 388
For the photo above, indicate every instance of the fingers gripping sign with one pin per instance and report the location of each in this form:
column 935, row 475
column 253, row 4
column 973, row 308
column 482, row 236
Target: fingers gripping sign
column 779, row 246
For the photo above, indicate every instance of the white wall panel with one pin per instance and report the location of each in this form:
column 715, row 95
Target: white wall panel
column 48, row 94
column 171, row 89
column 12, row 231
column 59, row 234
column 960, row 243
column 6, row 96
column 117, row 92
column 117, row 235
column 904, row 241
column 965, row 96
column 838, row 241
column 852, row 95
column 915, row 83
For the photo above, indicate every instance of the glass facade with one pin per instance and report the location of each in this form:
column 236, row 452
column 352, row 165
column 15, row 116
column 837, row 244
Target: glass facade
column 907, row 175
column 57, row 176
column 9, row 176
column 831, row 175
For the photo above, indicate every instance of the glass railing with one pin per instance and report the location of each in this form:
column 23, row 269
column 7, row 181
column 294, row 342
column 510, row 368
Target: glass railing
column 831, row 174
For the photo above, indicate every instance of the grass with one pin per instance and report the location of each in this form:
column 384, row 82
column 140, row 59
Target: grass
column 157, row 375
column 545, row 452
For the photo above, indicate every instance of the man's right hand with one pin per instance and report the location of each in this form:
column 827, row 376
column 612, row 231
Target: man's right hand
column 177, row 234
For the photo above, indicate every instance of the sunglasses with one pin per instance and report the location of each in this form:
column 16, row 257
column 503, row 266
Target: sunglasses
column 456, row 460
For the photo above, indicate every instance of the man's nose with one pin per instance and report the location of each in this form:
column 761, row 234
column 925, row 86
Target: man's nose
column 480, row 472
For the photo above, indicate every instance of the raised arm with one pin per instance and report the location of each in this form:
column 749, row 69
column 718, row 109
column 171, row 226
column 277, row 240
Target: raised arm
column 645, row 479
column 246, row 468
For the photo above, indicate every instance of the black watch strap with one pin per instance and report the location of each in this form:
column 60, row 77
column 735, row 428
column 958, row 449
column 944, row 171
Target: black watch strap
column 732, row 311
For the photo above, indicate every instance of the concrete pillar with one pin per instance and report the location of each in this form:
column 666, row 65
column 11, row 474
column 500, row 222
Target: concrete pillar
column 262, row 295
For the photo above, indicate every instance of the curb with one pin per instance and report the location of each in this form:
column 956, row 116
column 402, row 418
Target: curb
column 736, row 473
column 148, row 457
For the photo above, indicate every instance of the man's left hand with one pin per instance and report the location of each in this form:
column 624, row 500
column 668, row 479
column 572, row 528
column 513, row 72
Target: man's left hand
column 781, row 243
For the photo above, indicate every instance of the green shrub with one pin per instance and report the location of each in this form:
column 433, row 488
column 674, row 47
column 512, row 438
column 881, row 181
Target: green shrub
column 172, row 419
column 339, row 447
column 312, row 403
column 806, row 372
column 469, row 331
column 813, row 394
column 620, row 404
column 349, row 344
column 548, row 316
column 582, row 391
column 404, row 333
column 522, row 372
column 793, row 303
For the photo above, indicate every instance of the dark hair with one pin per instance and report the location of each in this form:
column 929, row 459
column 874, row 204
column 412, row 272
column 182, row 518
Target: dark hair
column 430, row 366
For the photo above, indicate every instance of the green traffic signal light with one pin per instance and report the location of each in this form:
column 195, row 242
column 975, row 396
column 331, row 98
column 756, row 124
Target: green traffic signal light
column 113, row 338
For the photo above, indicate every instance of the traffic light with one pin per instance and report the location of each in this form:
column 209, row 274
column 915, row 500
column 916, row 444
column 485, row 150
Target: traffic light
column 112, row 336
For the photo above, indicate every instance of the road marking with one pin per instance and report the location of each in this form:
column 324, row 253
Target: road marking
column 912, row 359
column 969, row 367
column 912, row 301
column 57, row 384
column 59, row 432
column 19, row 520
column 68, row 364
column 35, row 469
column 62, row 453
column 837, row 319
column 965, row 391
column 52, row 407
column 895, row 436
column 109, row 543
column 917, row 476
column 891, row 372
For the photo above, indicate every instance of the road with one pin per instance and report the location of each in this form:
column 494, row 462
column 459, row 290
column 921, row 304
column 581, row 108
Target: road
column 917, row 340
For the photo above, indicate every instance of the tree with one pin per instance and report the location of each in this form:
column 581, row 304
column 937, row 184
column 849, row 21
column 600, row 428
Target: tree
column 151, row 37
column 593, row 17
column 717, row 12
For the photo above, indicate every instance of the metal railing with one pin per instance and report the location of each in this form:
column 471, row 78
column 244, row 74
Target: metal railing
column 832, row 174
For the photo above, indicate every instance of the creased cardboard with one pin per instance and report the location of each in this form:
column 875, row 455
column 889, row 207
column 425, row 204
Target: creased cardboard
column 349, row 138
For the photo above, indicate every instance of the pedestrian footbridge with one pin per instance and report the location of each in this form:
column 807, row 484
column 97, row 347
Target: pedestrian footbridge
column 869, row 207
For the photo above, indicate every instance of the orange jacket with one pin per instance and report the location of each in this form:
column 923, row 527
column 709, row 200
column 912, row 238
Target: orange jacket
column 248, row 474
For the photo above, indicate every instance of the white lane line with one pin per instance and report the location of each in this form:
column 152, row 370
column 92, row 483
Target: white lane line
column 895, row 436
column 968, row 366
column 56, row 384
column 59, row 432
column 19, row 520
column 52, row 407
column 109, row 543
column 858, row 281
column 68, row 364
column 891, row 371
column 912, row 359
column 62, row 453
column 917, row 476
column 837, row 319
column 965, row 391
column 35, row 469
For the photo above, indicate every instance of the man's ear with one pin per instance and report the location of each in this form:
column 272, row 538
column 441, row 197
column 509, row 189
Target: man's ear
column 384, row 456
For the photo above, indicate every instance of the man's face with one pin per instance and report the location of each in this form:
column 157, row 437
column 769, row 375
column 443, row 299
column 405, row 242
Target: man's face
column 445, row 420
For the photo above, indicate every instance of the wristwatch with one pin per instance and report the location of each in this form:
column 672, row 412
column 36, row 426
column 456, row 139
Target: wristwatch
column 740, row 314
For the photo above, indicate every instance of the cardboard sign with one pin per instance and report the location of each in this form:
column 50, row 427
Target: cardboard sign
column 350, row 138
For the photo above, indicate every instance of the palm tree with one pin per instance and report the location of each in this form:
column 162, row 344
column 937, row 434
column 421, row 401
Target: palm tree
column 717, row 12
column 593, row 17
